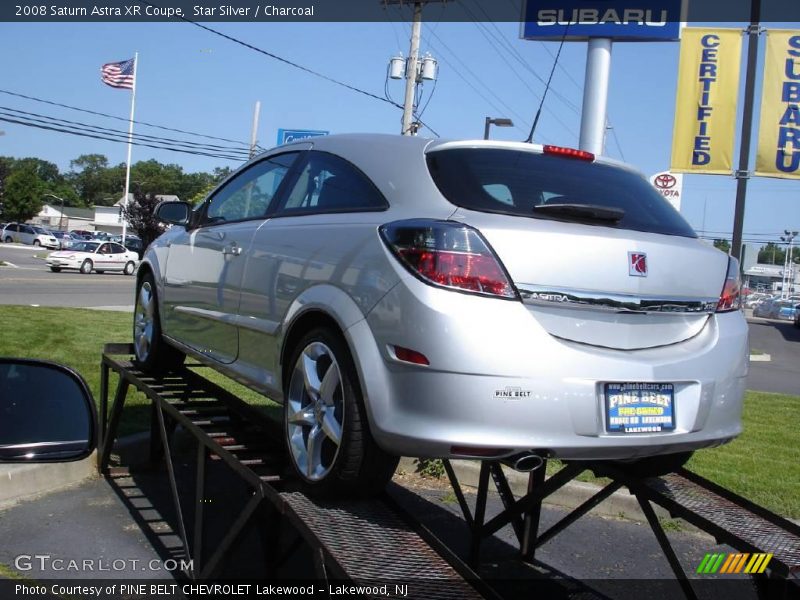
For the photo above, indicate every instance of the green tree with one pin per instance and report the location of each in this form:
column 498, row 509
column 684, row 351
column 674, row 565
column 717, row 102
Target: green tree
column 22, row 195
column 771, row 254
column 723, row 245
column 93, row 180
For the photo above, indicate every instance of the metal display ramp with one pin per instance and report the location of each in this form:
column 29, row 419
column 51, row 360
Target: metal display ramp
column 368, row 541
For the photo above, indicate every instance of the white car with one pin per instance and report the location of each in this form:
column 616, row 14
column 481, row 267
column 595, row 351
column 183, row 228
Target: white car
column 95, row 256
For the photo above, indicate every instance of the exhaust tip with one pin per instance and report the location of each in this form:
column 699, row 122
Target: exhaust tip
column 526, row 462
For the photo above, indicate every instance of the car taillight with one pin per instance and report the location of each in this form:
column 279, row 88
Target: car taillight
column 731, row 298
column 568, row 152
column 448, row 254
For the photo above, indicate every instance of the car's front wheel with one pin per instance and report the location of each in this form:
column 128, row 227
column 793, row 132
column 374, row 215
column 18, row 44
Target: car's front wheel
column 55, row 269
column 37, row 243
column 327, row 434
column 152, row 353
column 8, row 239
column 86, row 267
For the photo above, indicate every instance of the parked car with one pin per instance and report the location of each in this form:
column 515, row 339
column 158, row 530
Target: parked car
column 87, row 256
column 762, row 307
column 404, row 296
column 65, row 240
column 22, row 233
column 82, row 233
column 783, row 309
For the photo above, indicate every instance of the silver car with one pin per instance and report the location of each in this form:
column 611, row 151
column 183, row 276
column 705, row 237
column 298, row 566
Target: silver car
column 480, row 299
column 22, row 233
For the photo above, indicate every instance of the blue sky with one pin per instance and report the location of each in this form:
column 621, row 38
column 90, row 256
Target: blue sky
column 191, row 79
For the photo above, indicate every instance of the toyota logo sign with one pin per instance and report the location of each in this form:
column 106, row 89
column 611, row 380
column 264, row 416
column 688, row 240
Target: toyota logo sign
column 665, row 181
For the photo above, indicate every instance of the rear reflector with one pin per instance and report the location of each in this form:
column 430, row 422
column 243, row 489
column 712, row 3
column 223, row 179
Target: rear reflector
column 568, row 152
column 450, row 255
column 474, row 451
column 410, row 356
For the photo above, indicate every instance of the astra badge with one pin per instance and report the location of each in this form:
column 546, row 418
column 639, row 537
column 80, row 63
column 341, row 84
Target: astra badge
column 637, row 264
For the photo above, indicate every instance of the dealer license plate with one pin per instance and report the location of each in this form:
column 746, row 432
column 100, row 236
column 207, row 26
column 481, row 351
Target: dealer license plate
column 640, row 407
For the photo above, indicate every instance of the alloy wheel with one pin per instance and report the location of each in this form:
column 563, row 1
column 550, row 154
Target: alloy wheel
column 143, row 320
column 315, row 411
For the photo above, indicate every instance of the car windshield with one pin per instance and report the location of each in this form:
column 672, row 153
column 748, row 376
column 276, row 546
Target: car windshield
column 85, row 246
column 528, row 184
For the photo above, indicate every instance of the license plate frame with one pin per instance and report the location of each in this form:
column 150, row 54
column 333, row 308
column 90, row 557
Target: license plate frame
column 639, row 407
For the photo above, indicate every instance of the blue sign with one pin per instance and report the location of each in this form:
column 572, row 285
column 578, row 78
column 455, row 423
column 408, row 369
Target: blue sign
column 620, row 20
column 292, row 135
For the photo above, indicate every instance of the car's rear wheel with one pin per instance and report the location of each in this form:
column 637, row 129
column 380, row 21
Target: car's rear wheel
column 152, row 353
column 86, row 267
column 129, row 268
column 327, row 434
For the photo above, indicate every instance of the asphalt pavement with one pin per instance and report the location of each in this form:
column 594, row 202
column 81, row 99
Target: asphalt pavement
column 26, row 280
column 779, row 340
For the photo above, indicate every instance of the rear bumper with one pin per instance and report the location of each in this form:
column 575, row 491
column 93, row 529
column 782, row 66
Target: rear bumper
column 497, row 380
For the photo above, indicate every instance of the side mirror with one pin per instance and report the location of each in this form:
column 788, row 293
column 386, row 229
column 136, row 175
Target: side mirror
column 47, row 413
column 174, row 213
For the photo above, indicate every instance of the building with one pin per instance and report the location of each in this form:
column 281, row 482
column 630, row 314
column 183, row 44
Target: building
column 98, row 218
column 769, row 278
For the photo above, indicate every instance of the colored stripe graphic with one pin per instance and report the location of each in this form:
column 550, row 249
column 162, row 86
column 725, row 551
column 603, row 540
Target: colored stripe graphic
column 735, row 562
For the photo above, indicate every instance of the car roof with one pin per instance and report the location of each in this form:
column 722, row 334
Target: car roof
column 389, row 159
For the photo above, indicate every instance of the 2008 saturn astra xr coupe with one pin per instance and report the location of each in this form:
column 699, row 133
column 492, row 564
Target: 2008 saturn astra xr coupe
column 404, row 296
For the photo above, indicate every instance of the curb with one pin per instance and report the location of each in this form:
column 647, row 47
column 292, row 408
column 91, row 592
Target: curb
column 620, row 505
column 23, row 482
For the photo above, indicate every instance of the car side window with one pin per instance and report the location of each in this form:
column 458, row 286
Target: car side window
column 249, row 194
column 105, row 249
column 328, row 183
column 26, row 229
column 117, row 249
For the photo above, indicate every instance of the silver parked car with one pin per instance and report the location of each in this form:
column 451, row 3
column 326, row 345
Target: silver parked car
column 482, row 299
column 23, row 233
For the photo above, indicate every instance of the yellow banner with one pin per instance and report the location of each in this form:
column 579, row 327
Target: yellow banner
column 705, row 107
column 779, row 128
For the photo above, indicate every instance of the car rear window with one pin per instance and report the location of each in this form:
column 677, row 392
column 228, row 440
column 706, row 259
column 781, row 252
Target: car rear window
column 513, row 182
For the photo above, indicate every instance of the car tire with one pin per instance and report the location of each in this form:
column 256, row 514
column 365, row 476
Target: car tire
column 653, row 466
column 152, row 353
column 86, row 267
column 55, row 269
column 37, row 243
column 326, row 430
column 129, row 268
column 8, row 239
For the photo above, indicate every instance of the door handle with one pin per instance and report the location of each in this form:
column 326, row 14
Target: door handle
column 232, row 250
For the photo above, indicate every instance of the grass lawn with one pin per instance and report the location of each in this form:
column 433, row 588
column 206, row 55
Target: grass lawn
column 763, row 464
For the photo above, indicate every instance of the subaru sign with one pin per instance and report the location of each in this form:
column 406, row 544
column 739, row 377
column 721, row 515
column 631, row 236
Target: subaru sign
column 619, row 20
column 292, row 135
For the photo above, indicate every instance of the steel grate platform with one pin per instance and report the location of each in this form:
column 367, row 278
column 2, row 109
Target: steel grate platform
column 729, row 516
column 373, row 544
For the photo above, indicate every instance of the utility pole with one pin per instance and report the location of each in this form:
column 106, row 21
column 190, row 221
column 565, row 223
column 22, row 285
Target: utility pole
column 254, row 131
column 742, row 174
column 411, row 71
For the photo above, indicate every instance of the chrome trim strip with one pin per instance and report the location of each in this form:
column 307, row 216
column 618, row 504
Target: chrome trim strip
column 616, row 303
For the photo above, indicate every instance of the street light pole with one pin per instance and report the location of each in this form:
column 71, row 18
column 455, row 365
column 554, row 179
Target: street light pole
column 499, row 122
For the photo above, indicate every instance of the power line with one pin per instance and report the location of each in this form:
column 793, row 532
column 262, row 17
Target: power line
column 101, row 114
column 107, row 137
column 289, row 62
column 89, row 127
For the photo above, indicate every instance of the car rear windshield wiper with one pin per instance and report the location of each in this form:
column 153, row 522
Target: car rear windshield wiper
column 581, row 212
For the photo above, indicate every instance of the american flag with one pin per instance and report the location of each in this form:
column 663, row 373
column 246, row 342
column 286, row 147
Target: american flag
column 118, row 74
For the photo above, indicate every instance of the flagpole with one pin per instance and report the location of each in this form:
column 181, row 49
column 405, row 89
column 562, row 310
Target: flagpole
column 130, row 146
